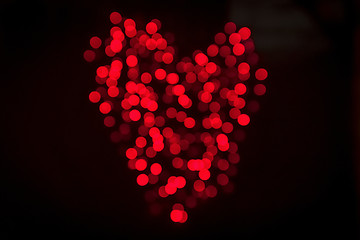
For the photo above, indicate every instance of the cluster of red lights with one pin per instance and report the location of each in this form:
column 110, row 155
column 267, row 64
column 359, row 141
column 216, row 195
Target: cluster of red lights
column 178, row 122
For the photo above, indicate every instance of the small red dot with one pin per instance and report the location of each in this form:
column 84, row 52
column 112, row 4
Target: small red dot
column 142, row 179
column 131, row 61
column 160, row 74
column 135, row 115
column 261, row 74
column 105, row 107
column 199, row 185
column 151, row 28
column 156, row 168
column 95, row 42
column 201, row 59
column 243, row 119
column 115, row 18
column 140, row 164
column 131, row 153
column 94, row 97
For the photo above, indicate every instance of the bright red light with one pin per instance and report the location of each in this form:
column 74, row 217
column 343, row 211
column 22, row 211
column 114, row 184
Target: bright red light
column 243, row 119
column 261, row 74
column 105, row 107
column 151, row 28
column 199, row 185
column 135, row 115
column 140, row 164
column 245, row 33
column 95, row 42
column 131, row 61
column 94, row 97
column 201, row 59
column 160, row 74
column 156, row 168
column 142, row 179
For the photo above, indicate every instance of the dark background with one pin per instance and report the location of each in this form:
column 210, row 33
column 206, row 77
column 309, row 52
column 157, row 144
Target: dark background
column 62, row 178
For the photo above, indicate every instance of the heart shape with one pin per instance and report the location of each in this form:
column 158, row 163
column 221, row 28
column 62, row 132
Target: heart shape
column 177, row 122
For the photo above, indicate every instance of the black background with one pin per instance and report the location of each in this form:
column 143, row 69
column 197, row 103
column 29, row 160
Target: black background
column 62, row 177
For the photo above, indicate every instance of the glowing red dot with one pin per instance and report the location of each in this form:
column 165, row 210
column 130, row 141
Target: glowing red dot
column 142, row 179
column 209, row 87
column 220, row 38
column 178, row 90
column 162, row 44
column 245, row 33
column 261, row 74
column 151, row 28
column 160, row 74
column 115, row 18
column 259, row 89
column 167, row 58
column 89, row 55
column 134, row 100
column 234, row 38
column 238, row 49
column 140, row 164
column 116, row 45
column 172, row 78
column 156, row 168
column 177, row 215
column 243, row 68
column 94, row 97
column 151, row 44
column 95, row 42
column 113, row 91
column 131, row 61
column 131, row 153
column 146, row 77
column 189, row 122
column 199, row 185
column 243, row 119
column 204, row 174
column 102, row 72
column 170, row 189
column 135, row 115
column 105, row 107
column 201, row 59
column 140, row 142
column 206, row 97
column 129, row 23
column 119, row 35
column 212, row 50
column 210, row 67
column 240, row 89
column 180, row 182
column 109, row 121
